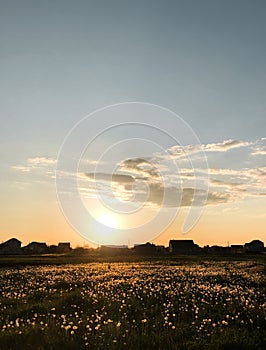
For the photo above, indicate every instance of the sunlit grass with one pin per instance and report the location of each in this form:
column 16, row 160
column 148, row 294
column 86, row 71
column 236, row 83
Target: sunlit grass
column 146, row 305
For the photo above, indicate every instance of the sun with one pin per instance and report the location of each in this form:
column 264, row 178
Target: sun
column 107, row 220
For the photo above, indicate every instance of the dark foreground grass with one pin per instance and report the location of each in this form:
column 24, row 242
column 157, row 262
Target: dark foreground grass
column 200, row 305
column 95, row 256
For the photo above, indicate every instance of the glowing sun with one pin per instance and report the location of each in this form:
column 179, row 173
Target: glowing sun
column 107, row 220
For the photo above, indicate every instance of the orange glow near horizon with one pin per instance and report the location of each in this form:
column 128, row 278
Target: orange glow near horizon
column 44, row 222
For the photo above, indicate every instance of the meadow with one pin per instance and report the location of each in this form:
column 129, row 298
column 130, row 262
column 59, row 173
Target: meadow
column 134, row 305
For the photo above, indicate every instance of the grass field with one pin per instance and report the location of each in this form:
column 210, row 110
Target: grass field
column 198, row 304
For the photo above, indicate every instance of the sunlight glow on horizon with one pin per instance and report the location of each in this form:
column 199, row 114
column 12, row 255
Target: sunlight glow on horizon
column 107, row 220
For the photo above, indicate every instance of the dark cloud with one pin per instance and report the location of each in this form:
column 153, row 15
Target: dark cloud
column 151, row 180
column 141, row 167
column 175, row 197
column 120, row 178
column 159, row 194
column 223, row 183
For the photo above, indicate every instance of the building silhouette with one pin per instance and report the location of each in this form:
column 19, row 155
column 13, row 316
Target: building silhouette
column 10, row 247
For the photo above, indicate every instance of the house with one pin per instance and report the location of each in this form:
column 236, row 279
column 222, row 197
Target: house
column 182, row 246
column 35, row 248
column 10, row 247
column 237, row 248
column 52, row 249
column 255, row 246
column 64, row 247
column 147, row 248
column 161, row 249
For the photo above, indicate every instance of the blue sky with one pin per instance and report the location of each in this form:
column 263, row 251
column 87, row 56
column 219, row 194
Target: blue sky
column 60, row 60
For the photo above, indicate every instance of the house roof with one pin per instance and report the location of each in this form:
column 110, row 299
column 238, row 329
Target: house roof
column 255, row 241
column 180, row 243
column 40, row 244
column 147, row 245
column 11, row 240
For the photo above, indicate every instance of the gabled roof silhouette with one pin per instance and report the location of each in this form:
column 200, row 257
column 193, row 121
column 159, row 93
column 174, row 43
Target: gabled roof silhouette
column 182, row 243
column 255, row 241
column 10, row 241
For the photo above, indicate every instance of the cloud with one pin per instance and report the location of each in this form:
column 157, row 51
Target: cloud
column 243, row 182
column 259, row 152
column 144, row 168
column 153, row 181
column 247, row 174
column 152, row 193
column 183, row 197
column 35, row 163
column 259, row 148
column 225, row 145
column 126, row 188
column 41, row 161
column 226, row 184
column 151, row 178
column 186, row 151
column 21, row 168
column 120, row 178
column 38, row 167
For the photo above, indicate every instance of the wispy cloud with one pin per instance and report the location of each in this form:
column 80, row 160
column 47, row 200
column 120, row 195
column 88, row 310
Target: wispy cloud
column 35, row 163
column 41, row 161
column 225, row 146
column 178, row 151
column 152, row 179
column 259, row 147
column 22, row 168
column 38, row 168
column 120, row 178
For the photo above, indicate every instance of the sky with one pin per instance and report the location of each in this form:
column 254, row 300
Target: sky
column 204, row 60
